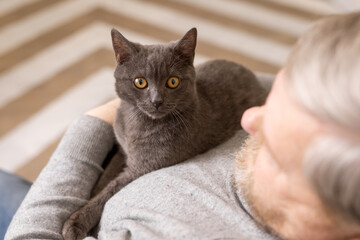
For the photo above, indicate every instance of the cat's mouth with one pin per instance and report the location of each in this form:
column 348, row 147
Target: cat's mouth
column 157, row 113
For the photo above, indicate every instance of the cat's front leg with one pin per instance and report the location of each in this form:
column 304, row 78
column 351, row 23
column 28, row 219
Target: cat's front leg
column 76, row 226
column 114, row 168
column 83, row 220
column 87, row 217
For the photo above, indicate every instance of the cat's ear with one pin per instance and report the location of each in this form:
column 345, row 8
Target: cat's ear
column 186, row 46
column 122, row 47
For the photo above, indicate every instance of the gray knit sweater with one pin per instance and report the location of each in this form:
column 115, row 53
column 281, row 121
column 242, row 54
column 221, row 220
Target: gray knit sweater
column 191, row 200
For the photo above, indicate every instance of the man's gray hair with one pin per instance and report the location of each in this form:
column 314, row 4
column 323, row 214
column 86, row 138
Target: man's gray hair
column 323, row 73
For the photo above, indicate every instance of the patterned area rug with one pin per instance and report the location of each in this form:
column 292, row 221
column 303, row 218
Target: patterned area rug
column 56, row 58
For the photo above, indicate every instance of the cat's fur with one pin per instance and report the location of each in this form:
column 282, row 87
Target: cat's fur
column 203, row 111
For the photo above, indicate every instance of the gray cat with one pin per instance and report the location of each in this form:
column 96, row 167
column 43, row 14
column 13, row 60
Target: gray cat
column 169, row 112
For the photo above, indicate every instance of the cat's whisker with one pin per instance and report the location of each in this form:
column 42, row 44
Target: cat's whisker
column 169, row 107
column 173, row 116
column 177, row 118
column 181, row 122
column 131, row 116
column 186, row 125
column 134, row 114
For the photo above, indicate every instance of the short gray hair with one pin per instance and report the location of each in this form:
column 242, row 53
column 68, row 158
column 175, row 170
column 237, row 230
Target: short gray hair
column 323, row 73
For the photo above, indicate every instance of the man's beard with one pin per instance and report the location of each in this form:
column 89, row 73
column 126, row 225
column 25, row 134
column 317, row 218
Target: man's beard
column 244, row 181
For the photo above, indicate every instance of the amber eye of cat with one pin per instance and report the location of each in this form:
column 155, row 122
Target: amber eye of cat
column 173, row 82
column 140, row 83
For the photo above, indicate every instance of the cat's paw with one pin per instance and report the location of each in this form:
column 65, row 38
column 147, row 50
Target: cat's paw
column 72, row 230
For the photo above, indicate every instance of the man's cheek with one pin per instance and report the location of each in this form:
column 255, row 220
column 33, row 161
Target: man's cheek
column 265, row 173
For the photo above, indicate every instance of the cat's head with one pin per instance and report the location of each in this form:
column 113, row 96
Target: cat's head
column 157, row 79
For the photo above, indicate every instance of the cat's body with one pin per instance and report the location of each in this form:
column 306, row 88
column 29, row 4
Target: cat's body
column 169, row 113
column 212, row 118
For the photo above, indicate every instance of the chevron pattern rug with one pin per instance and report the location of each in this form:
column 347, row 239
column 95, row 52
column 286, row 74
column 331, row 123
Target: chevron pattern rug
column 56, row 59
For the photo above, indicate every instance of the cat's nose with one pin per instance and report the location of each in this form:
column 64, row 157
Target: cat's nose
column 157, row 103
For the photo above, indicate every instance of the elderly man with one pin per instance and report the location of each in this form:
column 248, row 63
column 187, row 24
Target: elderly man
column 300, row 169
column 296, row 177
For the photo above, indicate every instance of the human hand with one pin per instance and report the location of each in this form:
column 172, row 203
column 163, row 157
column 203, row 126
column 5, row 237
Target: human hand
column 106, row 111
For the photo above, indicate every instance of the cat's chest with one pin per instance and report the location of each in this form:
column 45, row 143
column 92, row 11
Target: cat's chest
column 145, row 133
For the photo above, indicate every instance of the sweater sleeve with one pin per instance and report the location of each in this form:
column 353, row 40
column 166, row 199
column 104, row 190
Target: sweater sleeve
column 64, row 185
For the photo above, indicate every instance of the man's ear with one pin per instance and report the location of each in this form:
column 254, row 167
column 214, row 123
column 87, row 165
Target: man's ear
column 122, row 47
column 186, row 46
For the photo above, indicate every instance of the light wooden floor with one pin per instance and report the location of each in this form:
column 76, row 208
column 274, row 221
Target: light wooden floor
column 56, row 59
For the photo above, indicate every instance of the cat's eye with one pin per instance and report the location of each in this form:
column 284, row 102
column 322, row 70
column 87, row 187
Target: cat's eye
column 140, row 83
column 173, row 82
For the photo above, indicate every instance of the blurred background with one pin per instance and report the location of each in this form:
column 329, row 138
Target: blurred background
column 56, row 59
